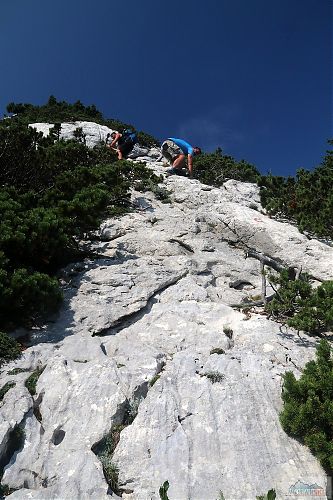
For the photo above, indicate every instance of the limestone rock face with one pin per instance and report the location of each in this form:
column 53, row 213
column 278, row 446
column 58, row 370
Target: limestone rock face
column 147, row 346
column 94, row 132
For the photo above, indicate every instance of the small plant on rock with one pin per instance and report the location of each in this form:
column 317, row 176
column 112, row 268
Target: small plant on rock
column 228, row 331
column 271, row 495
column 217, row 350
column 154, row 380
column 31, row 381
column 16, row 371
column 131, row 409
column 214, row 376
column 111, row 473
column 163, row 491
column 104, row 451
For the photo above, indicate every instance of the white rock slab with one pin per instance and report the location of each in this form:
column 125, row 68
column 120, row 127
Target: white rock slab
column 160, row 298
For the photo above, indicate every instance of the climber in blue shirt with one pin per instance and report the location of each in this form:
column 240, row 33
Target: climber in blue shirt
column 175, row 151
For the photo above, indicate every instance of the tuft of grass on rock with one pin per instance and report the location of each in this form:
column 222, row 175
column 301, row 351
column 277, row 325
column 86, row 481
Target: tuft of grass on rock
column 104, row 450
column 214, row 376
column 31, row 381
column 16, row 371
column 5, row 389
column 228, row 331
column 217, row 350
column 154, row 380
column 270, row 495
column 163, row 491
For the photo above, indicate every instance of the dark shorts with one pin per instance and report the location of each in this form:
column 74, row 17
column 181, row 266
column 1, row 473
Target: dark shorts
column 125, row 148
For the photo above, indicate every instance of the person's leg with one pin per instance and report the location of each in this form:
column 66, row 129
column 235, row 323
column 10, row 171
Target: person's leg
column 124, row 149
column 179, row 162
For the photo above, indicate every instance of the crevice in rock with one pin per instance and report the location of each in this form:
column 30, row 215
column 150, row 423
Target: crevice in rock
column 157, row 375
column 130, row 319
column 181, row 419
column 186, row 246
column 36, row 407
column 105, row 448
column 15, row 442
column 240, row 284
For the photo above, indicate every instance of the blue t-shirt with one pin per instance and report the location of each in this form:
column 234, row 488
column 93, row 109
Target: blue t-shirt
column 183, row 145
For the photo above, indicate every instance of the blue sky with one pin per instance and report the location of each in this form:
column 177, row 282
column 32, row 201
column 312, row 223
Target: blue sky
column 251, row 76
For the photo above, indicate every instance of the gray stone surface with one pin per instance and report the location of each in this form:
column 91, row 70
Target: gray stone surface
column 94, row 132
column 148, row 326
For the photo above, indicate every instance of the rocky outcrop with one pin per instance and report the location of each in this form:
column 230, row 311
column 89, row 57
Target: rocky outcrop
column 147, row 340
column 93, row 132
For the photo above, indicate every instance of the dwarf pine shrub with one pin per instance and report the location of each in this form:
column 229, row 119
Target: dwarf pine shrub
column 216, row 168
column 306, row 198
column 308, row 405
column 301, row 306
column 9, row 348
column 52, row 194
column 285, row 303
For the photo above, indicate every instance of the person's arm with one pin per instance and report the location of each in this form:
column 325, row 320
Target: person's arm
column 190, row 164
column 118, row 135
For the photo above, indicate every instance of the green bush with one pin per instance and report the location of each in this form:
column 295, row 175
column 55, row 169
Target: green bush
column 301, row 306
column 26, row 297
column 58, row 112
column 160, row 192
column 21, row 156
column 285, row 303
column 55, row 111
column 315, row 311
column 35, row 237
column 307, row 199
column 52, row 194
column 216, row 168
column 9, row 348
column 308, row 406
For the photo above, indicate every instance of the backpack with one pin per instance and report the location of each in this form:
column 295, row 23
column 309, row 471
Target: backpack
column 129, row 136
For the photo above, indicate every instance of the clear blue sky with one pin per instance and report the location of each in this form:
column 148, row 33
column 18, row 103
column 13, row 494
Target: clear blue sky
column 251, row 76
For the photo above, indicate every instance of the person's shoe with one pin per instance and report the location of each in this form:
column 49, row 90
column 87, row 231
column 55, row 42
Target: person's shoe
column 171, row 171
column 176, row 171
